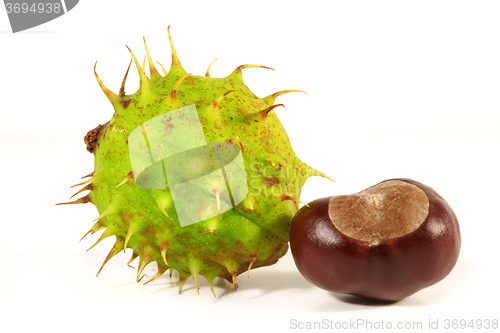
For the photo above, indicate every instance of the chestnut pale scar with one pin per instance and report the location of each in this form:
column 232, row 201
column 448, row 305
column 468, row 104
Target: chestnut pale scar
column 387, row 210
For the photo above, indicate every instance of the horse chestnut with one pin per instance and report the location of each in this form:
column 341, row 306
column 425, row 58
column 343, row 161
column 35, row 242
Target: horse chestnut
column 385, row 243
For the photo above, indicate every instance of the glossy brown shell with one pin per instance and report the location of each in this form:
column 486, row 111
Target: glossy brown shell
column 392, row 270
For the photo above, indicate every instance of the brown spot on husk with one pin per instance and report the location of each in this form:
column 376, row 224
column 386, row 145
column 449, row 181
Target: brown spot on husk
column 91, row 138
column 125, row 102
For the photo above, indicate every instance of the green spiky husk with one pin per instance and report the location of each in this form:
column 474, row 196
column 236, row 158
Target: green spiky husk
column 251, row 235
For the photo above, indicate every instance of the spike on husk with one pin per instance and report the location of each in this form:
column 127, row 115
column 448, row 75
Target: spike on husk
column 129, row 175
column 121, row 93
column 163, row 68
column 107, row 233
column 252, row 260
column 173, row 92
column 182, row 280
column 132, row 258
column 111, row 209
column 144, row 87
column 237, row 74
column 285, row 196
column 217, row 101
column 143, row 262
column 265, row 112
column 113, row 98
column 88, row 187
column 82, row 200
column 272, row 98
column 91, row 180
column 175, row 67
column 235, row 285
column 153, row 72
column 161, row 270
column 97, row 226
column 117, row 247
column 210, row 281
column 89, row 175
column 207, row 74
column 130, row 232
column 163, row 252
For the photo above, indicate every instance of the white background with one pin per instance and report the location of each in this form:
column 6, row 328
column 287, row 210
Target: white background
column 396, row 89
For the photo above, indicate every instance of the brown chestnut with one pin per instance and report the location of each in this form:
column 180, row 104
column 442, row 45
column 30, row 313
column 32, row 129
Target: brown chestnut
column 385, row 243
